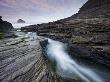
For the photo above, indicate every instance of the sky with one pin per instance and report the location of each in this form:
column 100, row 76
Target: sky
column 38, row 11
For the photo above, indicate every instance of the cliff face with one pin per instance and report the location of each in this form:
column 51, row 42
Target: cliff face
column 93, row 4
column 88, row 29
column 95, row 8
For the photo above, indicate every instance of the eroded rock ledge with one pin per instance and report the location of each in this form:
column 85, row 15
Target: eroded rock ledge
column 25, row 63
column 21, row 63
column 91, row 34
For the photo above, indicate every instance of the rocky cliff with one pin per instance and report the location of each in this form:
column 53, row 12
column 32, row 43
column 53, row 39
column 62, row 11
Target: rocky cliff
column 5, row 29
column 93, row 4
column 87, row 31
column 5, row 26
column 94, row 9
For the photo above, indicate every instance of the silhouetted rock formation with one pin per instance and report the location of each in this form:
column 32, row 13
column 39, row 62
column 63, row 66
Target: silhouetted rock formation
column 0, row 18
column 5, row 26
column 20, row 21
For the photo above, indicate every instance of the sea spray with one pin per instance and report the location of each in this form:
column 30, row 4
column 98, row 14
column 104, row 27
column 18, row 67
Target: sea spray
column 66, row 66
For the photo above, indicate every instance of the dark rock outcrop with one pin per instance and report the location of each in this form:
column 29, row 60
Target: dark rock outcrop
column 20, row 21
column 94, row 9
column 6, row 29
column 5, row 26
column 31, row 28
column 93, row 4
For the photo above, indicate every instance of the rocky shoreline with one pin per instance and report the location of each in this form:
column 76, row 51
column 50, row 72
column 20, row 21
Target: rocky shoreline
column 86, row 34
column 23, row 62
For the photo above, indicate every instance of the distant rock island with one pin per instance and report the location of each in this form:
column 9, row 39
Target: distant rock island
column 21, row 21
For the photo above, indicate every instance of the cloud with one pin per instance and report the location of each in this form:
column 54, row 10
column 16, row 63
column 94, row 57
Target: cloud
column 39, row 8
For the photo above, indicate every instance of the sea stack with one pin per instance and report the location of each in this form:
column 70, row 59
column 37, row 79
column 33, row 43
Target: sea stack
column 20, row 21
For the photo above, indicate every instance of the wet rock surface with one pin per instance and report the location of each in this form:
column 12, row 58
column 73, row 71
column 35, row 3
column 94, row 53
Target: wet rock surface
column 23, row 61
column 20, row 62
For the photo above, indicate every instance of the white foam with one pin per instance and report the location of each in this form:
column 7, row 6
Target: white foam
column 67, row 67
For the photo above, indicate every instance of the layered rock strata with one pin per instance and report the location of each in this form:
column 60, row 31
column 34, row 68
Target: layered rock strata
column 88, row 30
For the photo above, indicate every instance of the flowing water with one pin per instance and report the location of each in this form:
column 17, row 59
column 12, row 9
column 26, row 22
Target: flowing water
column 67, row 67
column 30, row 38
